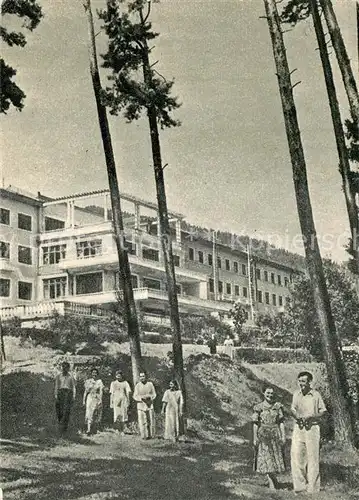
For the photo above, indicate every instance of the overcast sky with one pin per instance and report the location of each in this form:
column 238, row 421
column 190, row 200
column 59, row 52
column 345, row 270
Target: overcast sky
column 229, row 165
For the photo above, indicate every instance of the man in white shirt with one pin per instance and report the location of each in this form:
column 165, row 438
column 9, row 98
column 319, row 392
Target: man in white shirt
column 65, row 393
column 307, row 409
column 145, row 394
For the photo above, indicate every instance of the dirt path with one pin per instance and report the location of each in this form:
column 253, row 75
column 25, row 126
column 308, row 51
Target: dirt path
column 109, row 467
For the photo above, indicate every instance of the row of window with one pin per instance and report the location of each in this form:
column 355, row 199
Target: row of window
column 24, row 289
column 235, row 290
column 229, row 265
column 23, row 221
column 24, row 254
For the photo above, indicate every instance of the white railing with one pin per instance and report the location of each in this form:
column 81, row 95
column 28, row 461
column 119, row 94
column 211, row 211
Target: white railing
column 47, row 309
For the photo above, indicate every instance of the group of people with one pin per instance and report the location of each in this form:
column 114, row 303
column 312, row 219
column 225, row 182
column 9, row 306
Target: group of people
column 120, row 391
column 268, row 417
column 269, row 436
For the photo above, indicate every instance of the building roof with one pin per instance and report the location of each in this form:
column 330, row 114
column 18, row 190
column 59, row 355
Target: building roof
column 124, row 196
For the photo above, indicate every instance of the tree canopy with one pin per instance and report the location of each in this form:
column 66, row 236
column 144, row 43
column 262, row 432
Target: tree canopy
column 128, row 37
column 30, row 13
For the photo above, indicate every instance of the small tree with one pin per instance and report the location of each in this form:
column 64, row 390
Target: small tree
column 239, row 316
column 30, row 12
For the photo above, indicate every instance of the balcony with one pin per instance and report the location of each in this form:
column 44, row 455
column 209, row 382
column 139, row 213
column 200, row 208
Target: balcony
column 153, row 296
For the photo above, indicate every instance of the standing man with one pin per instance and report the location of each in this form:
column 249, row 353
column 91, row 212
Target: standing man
column 145, row 394
column 307, row 409
column 212, row 344
column 65, row 393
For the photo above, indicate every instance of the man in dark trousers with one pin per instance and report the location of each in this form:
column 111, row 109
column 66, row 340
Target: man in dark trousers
column 65, row 393
column 212, row 344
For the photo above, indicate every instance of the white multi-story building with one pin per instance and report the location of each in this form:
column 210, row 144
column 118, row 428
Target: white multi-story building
column 60, row 254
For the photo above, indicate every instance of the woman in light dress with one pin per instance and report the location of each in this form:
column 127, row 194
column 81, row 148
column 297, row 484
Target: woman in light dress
column 92, row 400
column 172, row 408
column 120, row 392
column 229, row 347
column 269, row 437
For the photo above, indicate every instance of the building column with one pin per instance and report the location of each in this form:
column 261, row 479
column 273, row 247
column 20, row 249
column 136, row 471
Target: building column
column 137, row 216
column 105, row 206
column 178, row 231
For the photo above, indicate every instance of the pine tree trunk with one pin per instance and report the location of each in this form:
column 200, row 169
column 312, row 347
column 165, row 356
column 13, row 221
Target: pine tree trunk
column 343, row 58
column 124, row 266
column 335, row 366
column 344, row 166
column 165, row 233
column 3, row 353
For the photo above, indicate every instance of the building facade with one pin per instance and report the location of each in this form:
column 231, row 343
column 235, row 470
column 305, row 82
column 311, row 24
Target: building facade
column 60, row 254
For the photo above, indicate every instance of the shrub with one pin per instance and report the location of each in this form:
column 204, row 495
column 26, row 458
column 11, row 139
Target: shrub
column 258, row 355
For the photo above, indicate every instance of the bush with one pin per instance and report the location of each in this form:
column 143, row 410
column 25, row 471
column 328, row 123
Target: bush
column 258, row 355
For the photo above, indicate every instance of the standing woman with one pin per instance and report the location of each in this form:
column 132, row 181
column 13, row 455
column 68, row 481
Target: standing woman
column 172, row 408
column 229, row 347
column 93, row 401
column 120, row 392
column 269, row 437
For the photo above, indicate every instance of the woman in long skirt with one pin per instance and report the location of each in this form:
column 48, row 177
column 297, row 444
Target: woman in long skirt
column 269, row 437
column 120, row 392
column 172, row 408
column 92, row 400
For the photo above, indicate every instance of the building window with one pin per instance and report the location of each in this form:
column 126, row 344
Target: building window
column 91, row 248
column 4, row 216
column 279, row 279
column 260, row 296
column 267, row 297
column 235, row 267
column 245, row 292
column 286, row 281
column 53, row 254
column 131, row 248
column 54, row 287
column 228, row 289
column 191, row 254
column 178, row 289
column 200, row 256
column 152, row 283
column 24, row 255
column 219, row 263
column 228, row 265
column 150, row 254
column 53, row 224
column 220, row 286
column 258, row 274
column 272, row 278
column 274, row 299
column 134, row 281
column 4, row 250
column 176, row 260
column 210, row 259
column 24, row 290
column 211, row 285
column 265, row 275
column 244, row 270
column 89, row 283
column 4, row 287
column 236, row 290
column 24, row 222
column 280, row 300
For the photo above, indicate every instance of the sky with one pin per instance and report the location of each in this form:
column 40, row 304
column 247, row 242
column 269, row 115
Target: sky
column 228, row 164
